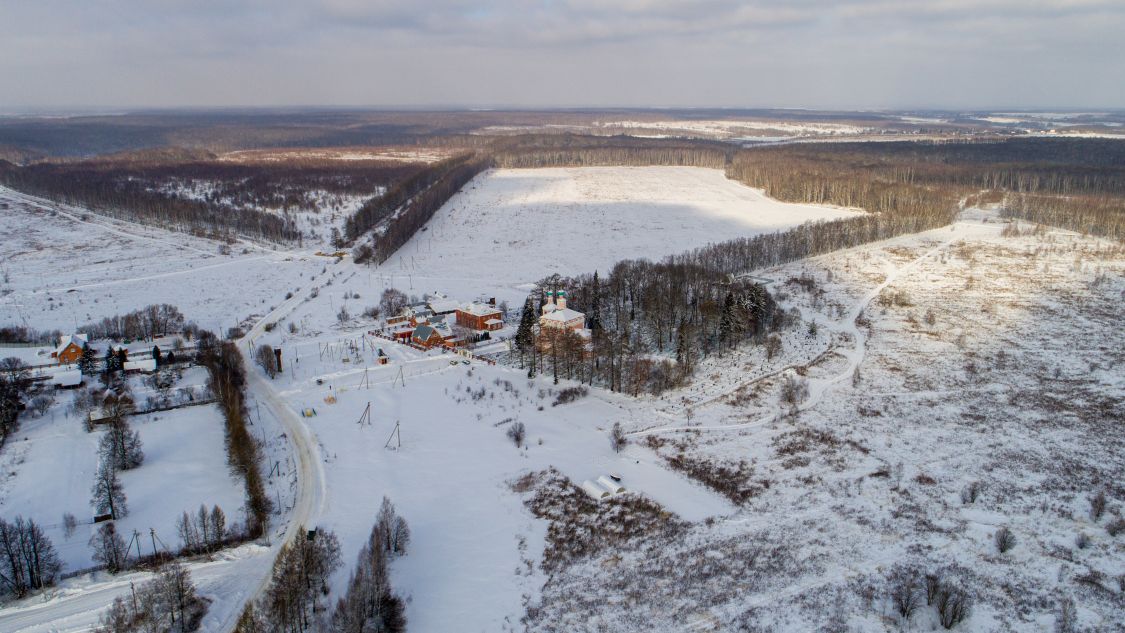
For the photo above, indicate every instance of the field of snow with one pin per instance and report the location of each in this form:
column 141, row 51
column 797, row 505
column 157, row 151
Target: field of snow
column 509, row 227
column 60, row 267
column 952, row 356
column 980, row 357
column 475, row 548
column 184, row 467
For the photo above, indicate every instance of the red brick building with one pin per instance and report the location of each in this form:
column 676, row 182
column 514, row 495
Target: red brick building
column 480, row 316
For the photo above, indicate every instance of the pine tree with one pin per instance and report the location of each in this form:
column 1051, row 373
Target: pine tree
column 525, row 334
column 156, row 354
column 88, row 361
column 727, row 321
column 110, row 365
column 594, row 319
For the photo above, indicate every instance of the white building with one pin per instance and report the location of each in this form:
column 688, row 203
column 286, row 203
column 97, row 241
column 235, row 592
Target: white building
column 557, row 316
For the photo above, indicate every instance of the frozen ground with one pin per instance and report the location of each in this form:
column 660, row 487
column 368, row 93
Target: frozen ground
column 862, row 476
column 513, row 226
column 981, row 358
column 319, row 213
column 47, row 471
column 60, row 267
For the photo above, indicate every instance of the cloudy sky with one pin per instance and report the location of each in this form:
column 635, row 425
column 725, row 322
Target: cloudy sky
column 786, row 53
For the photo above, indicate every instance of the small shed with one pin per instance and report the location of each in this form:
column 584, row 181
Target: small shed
column 143, row 366
column 612, row 486
column 594, row 490
column 67, row 379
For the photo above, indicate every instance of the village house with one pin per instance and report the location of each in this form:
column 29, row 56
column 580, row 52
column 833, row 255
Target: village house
column 433, row 334
column 70, row 348
column 480, row 316
column 440, row 304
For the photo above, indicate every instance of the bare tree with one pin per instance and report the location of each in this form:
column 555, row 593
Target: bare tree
column 267, row 359
column 109, row 548
column 516, row 433
column 904, row 592
column 108, row 493
column 617, row 439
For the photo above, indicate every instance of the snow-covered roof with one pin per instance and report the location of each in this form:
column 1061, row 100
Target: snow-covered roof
column 71, row 378
column 443, row 306
column 479, row 309
column 494, row 322
column 423, row 332
column 66, row 340
column 564, row 315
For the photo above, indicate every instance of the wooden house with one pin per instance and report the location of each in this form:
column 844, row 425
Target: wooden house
column 70, row 348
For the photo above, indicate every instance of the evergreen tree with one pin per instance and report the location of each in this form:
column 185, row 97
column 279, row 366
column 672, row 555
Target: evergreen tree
column 525, row 334
column 156, row 354
column 111, row 365
column 727, row 320
column 88, row 361
column 594, row 319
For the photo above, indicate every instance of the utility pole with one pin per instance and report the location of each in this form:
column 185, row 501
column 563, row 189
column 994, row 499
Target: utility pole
column 152, row 533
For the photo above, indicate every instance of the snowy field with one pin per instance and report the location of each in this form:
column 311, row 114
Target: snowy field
column 980, row 357
column 60, row 267
column 509, row 227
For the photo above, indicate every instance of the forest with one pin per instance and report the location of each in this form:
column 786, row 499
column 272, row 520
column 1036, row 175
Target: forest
column 240, row 199
column 641, row 316
column 1077, row 184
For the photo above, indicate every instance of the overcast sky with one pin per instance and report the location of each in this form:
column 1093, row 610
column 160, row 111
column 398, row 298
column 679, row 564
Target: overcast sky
column 836, row 54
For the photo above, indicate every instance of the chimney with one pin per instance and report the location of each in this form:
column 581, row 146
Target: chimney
column 562, row 300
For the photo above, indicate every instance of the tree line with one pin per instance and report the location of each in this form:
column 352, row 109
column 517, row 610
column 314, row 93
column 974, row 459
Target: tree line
column 28, row 560
column 417, row 209
column 227, row 381
column 108, row 192
column 292, row 601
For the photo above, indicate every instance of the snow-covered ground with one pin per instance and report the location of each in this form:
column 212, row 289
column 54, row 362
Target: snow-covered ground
column 48, row 470
column 321, row 212
column 957, row 334
column 509, row 227
column 981, row 358
column 61, row 267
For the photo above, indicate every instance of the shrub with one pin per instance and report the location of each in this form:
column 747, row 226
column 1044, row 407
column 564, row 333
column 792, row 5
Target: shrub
column 1116, row 526
column 971, row 492
column 953, row 605
column 1005, row 540
column 568, row 395
column 516, row 433
column 904, row 592
column 794, row 390
column 1097, row 506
